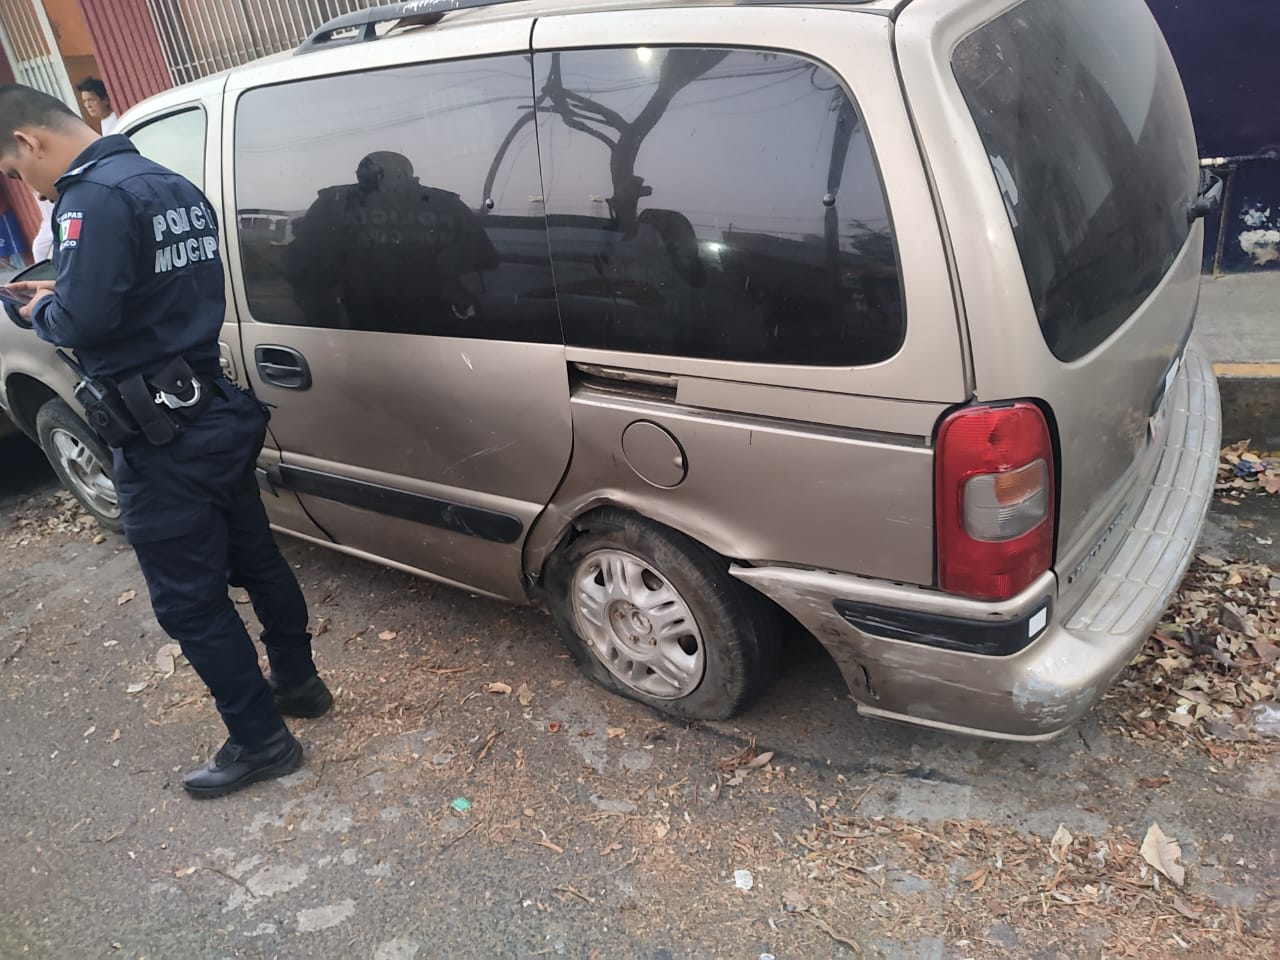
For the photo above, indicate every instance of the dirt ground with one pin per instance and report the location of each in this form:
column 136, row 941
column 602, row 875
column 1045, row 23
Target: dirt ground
column 472, row 795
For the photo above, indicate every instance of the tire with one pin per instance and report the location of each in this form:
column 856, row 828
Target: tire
column 668, row 602
column 82, row 462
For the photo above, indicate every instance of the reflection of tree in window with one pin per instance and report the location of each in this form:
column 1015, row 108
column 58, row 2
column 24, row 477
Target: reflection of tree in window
column 743, row 216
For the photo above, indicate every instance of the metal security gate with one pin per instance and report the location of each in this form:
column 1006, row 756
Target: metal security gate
column 200, row 37
column 29, row 42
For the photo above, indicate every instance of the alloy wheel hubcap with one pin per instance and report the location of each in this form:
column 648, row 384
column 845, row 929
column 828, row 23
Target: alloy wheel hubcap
column 86, row 473
column 637, row 624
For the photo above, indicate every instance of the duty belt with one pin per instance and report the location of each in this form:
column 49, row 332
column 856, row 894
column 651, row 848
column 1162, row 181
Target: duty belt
column 157, row 406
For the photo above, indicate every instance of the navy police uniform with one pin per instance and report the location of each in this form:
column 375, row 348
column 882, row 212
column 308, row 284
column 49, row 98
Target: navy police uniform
column 140, row 282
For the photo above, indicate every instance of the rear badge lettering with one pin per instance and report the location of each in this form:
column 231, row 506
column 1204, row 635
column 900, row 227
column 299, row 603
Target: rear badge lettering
column 1097, row 547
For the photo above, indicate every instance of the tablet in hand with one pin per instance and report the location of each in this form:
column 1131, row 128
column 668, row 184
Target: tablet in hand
column 19, row 298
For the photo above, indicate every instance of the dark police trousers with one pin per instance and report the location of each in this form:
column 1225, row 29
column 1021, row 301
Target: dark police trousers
column 194, row 516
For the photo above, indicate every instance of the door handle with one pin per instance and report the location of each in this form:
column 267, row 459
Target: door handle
column 662, row 385
column 279, row 371
column 282, row 367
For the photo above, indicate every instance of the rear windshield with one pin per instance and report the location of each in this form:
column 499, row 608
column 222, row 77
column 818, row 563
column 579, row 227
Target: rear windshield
column 1086, row 126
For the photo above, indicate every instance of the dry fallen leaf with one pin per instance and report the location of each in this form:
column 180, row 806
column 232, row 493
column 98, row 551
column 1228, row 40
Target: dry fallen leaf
column 1060, row 843
column 978, row 878
column 165, row 658
column 125, row 597
column 184, row 872
column 136, row 687
column 115, row 736
column 1267, row 650
column 793, row 901
column 524, row 695
column 761, row 760
column 388, row 635
column 1152, row 782
column 1221, row 730
column 499, row 687
column 616, row 732
column 1163, row 853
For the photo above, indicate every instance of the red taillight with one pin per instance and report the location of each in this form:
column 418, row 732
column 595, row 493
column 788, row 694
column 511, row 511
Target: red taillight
column 994, row 500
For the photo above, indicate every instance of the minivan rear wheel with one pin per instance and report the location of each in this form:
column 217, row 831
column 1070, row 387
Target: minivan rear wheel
column 82, row 462
column 655, row 616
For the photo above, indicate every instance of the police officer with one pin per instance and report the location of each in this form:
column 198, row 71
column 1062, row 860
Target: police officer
column 139, row 289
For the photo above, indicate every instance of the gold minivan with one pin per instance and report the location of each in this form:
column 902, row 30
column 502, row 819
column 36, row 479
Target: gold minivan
column 682, row 320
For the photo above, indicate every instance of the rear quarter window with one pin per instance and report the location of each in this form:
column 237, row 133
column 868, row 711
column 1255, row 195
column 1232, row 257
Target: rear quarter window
column 715, row 203
column 1086, row 126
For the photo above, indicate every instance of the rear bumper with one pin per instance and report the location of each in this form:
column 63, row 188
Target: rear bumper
column 1039, row 691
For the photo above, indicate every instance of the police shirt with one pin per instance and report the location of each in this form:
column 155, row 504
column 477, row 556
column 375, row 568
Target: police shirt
column 140, row 278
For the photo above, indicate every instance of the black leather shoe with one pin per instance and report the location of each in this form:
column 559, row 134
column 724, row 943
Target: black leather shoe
column 234, row 766
column 309, row 699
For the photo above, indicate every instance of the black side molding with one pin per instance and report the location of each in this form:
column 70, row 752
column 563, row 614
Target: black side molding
column 995, row 638
column 460, row 518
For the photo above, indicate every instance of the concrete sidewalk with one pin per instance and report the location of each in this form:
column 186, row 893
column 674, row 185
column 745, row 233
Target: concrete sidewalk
column 1238, row 326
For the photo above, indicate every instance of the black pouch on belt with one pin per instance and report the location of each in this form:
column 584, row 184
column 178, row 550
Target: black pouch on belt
column 162, row 402
column 156, row 423
column 180, row 391
column 104, row 408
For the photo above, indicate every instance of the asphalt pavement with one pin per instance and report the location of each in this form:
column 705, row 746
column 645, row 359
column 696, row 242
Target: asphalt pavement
column 473, row 796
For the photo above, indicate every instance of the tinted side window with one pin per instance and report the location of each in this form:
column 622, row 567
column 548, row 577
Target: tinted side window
column 177, row 142
column 401, row 200
column 715, row 203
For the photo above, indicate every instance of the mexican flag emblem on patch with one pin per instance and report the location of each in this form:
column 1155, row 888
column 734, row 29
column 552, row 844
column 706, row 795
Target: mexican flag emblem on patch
column 69, row 227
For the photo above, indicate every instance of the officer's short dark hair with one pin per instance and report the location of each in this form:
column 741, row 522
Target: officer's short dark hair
column 26, row 107
column 95, row 86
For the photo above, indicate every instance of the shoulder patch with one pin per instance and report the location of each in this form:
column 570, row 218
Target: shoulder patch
column 69, row 226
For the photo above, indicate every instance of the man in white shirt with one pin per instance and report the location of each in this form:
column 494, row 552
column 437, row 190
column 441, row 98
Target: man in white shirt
column 97, row 104
column 93, row 94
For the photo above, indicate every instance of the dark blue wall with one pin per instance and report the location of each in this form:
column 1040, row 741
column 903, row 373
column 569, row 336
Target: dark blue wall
column 1228, row 52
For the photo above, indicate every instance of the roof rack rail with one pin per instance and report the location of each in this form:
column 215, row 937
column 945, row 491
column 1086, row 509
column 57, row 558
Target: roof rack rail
column 362, row 25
